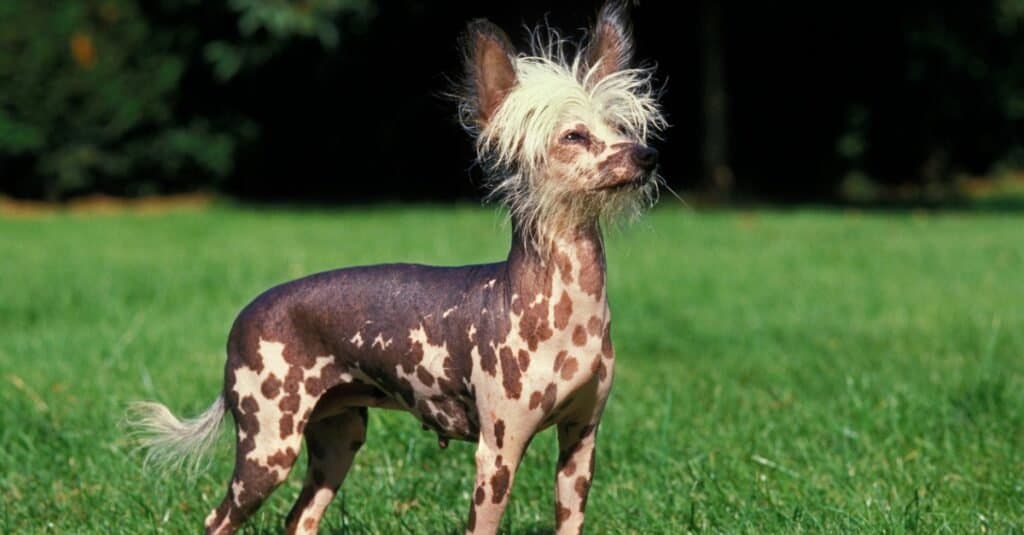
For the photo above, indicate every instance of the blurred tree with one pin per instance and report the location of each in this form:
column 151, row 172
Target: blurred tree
column 91, row 91
column 266, row 26
column 718, row 179
column 308, row 98
column 957, row 105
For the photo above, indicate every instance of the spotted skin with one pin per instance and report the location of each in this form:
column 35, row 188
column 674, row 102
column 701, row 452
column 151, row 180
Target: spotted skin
column 295, row 368
column 490, row 353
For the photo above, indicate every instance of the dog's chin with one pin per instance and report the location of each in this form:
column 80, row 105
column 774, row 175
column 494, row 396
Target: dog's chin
column 635, row 184
column 624, row 201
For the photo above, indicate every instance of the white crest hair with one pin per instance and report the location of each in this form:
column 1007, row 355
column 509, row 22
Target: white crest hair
column 550, row 90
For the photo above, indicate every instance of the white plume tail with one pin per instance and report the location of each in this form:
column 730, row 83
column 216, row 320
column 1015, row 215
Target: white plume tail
column 170, row 443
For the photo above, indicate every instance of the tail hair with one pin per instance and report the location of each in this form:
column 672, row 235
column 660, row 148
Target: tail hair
column 173, row 444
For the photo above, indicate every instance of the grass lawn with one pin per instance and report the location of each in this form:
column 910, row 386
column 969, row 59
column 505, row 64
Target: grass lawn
column 806, row 371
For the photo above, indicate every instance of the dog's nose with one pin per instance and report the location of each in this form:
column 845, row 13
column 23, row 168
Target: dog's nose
column 645, row 157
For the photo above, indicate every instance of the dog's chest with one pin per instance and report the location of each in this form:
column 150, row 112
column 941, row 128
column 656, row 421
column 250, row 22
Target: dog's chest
column 555, row 337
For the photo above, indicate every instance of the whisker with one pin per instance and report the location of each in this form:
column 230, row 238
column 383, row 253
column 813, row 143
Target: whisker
column 676, row 195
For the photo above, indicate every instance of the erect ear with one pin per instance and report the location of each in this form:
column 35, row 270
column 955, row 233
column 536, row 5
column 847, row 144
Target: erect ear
column 611, row 43
column 489, row 67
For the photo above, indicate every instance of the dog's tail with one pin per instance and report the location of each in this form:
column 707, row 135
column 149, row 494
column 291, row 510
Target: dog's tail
column 171, row 443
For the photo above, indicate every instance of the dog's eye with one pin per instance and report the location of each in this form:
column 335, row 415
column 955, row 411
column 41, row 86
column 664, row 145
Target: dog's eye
column 575, row 137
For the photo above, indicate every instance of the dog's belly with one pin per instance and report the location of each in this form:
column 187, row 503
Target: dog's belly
column 448, row 417
column 454, row 417
column 442, row 406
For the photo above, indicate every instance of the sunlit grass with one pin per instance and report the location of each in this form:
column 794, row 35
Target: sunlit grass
column 801, row 371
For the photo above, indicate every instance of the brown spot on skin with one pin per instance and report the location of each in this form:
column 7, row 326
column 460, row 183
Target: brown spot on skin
column 286, row 425
column 289, row 403
column 283, row 458
column 535, row 399
column 561, row 514
column 569, row 468
column 499, row 484
column 563, row 310
column 249, row 405
column 488, row 360
column 498, row 462
column 595, row 326
column 569, row 369
column 293, row 379
column 314, row 386
column 582, row 485
column 295, row 358
column 564, row 153
column 250, row 423
column 480, row 495
column 256, row 362
column 471, row 523
column 524, row 360
column 499, row 433
column 564, row 266
column 271, row 387
column 592, row 278
column 309, row 524
column 424, row 376
column 617, row 160
column 579, row 335
column 533, row 326
column 559, row 360
column 549, row 397
column 510, row 374
column 597, row 146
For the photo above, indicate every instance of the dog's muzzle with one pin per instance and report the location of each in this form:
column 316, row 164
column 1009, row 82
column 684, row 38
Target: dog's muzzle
column 645, row 158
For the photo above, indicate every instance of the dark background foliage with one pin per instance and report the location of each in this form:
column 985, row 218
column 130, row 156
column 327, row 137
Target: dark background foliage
column 343, row 100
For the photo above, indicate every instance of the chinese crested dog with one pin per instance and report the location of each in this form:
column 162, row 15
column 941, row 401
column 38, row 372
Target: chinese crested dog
column 491, row 353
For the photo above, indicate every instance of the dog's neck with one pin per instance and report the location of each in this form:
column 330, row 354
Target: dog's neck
column 571, row 258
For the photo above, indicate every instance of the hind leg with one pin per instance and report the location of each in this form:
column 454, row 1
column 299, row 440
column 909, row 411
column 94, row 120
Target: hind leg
column 258, row 471
column 331, row 445
column 268, row 441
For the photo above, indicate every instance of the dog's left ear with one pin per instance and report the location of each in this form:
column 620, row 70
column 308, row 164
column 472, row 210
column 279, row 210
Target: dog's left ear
column 489, row 56
column 611, row 43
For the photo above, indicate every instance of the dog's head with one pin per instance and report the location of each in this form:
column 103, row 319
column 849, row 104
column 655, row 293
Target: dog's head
column 563, row 129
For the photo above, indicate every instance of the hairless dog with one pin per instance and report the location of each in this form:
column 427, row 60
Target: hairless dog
column 490, row 353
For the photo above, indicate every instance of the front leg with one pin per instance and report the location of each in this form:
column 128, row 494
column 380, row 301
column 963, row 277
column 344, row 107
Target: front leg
column 574, row 474
column 498, row 454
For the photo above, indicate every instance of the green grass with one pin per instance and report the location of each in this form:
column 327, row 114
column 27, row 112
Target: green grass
column 804, row 371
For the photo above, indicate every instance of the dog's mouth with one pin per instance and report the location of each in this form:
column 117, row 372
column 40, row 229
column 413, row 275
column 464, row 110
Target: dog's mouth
column 634, row 183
